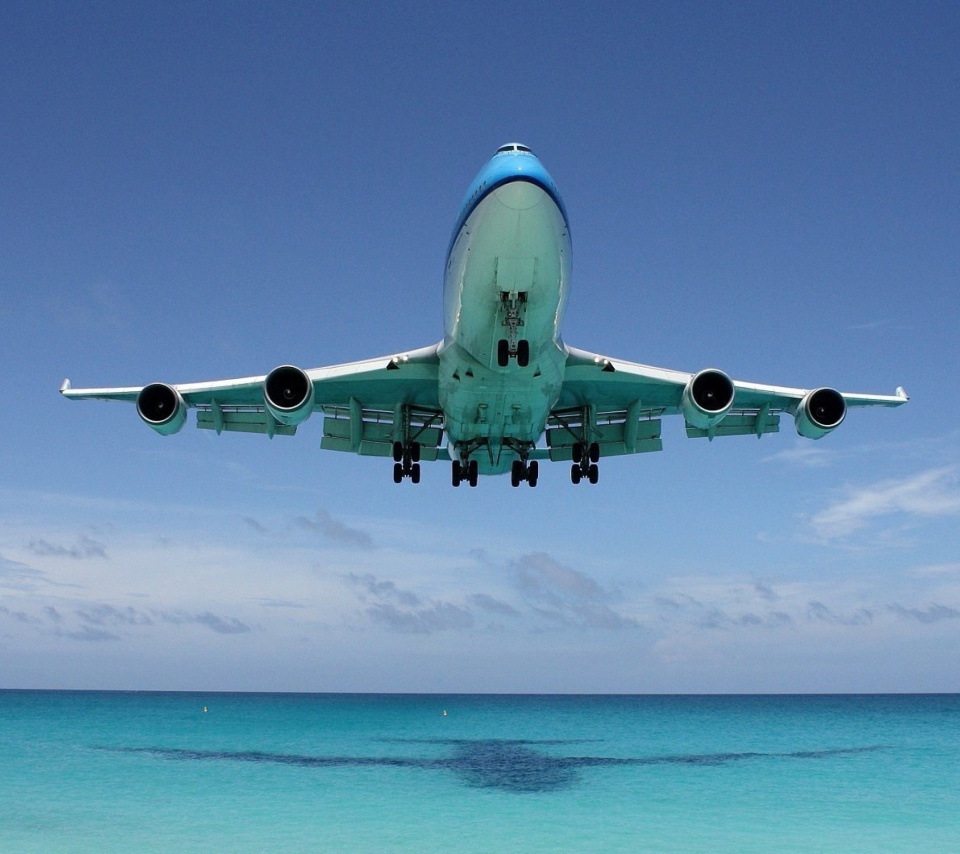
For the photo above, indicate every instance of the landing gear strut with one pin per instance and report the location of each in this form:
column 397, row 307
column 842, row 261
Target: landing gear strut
column 514, row 304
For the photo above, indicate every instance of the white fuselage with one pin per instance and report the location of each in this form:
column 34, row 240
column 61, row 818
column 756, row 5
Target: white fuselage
column 507, row 277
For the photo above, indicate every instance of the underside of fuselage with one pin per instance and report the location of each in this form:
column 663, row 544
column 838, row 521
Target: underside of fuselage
column 505, row 290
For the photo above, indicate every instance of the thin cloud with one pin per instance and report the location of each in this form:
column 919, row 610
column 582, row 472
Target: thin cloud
column 221, row 625
column 565, row 596
column 805, row 455
column 933, row 614
column 259, row 527
column 373, row 587
column 18, row 616
column 103, row 615
column 404, row 611
column 83, row 549
column 819, row 612
column 89, row 634
column 18, row 576
column 440, row 616
column 936, row 570
column 492, row 605
column 929, row 494
column 325, row 524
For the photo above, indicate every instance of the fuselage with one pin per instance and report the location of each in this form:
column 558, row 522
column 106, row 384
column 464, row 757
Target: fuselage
column 506, row 282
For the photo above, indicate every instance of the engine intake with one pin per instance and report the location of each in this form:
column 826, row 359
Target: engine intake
column 820, row 412
column 288, row 395
column 707, row 397
column 162, row 407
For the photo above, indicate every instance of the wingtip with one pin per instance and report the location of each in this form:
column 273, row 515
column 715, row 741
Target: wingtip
column 901, row 393
column 64, row 386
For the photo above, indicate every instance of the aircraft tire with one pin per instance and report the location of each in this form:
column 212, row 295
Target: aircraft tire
column 533, row 473
column 593, row 473
column 523, row 352
column 415, row 473
column 503, row 352
column 397, row 472
column 594, row 452
column 575, row 473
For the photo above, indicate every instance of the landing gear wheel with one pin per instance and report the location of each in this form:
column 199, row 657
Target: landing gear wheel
column 593, row 473
column 415, row 472
column 415, row 452
column 397, row 472
column 523, row 353
column 516, row 473
column 577, row 452
column 397, row 451
column 575, row 473
column 594, row 453
column 474, row 470
column 533, row 472
column 503, row 352
column 457, row 473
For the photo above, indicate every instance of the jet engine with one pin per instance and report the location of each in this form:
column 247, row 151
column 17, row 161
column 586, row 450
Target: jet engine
column 162, row 407
column 820, row 412
column 707, row 397
column 288, row 395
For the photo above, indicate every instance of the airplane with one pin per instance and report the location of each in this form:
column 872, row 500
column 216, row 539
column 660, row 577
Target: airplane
column 502, row 379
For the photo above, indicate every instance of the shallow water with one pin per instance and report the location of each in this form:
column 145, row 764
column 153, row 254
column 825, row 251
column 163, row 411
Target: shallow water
column 92, row 771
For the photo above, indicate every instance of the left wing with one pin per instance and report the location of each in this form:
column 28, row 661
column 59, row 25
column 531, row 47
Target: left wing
column 367, row 405
column 619, row 405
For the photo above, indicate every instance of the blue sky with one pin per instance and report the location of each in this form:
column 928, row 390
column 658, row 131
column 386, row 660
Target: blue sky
column 198, row 191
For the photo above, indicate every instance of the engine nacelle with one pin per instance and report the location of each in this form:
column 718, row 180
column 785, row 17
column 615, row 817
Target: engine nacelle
column 820, row 412
column 707, row 398
column 288, row 395
column 162, row 407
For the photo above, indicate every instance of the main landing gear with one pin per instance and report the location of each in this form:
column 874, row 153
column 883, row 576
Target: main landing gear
column 524, row 471
column 406, row 461
column 467, row 470
column 585, row 458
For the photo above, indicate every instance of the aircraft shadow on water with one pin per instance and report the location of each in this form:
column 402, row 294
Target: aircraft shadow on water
column 505, row 764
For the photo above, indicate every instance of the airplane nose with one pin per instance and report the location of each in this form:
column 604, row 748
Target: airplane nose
column 519, row 195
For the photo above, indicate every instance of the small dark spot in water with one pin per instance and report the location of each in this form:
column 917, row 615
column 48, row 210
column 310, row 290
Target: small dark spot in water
column 511, row 765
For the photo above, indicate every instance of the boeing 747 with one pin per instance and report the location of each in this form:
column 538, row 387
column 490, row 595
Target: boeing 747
column 501, row 391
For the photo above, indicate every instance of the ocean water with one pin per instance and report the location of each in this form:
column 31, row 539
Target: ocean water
column 179, row 772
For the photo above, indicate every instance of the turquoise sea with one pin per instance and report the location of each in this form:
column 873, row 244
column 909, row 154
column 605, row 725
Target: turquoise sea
column 184, row 772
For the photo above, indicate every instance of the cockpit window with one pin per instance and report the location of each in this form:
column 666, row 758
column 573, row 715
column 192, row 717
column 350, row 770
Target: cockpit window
column 513, row 147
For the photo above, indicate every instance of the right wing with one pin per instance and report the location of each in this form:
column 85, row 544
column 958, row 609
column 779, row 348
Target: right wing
column 367, row 405
column 619, row 405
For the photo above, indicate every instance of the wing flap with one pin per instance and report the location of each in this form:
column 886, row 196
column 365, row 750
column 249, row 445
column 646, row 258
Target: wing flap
column 242, row 420
column 739, row 424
